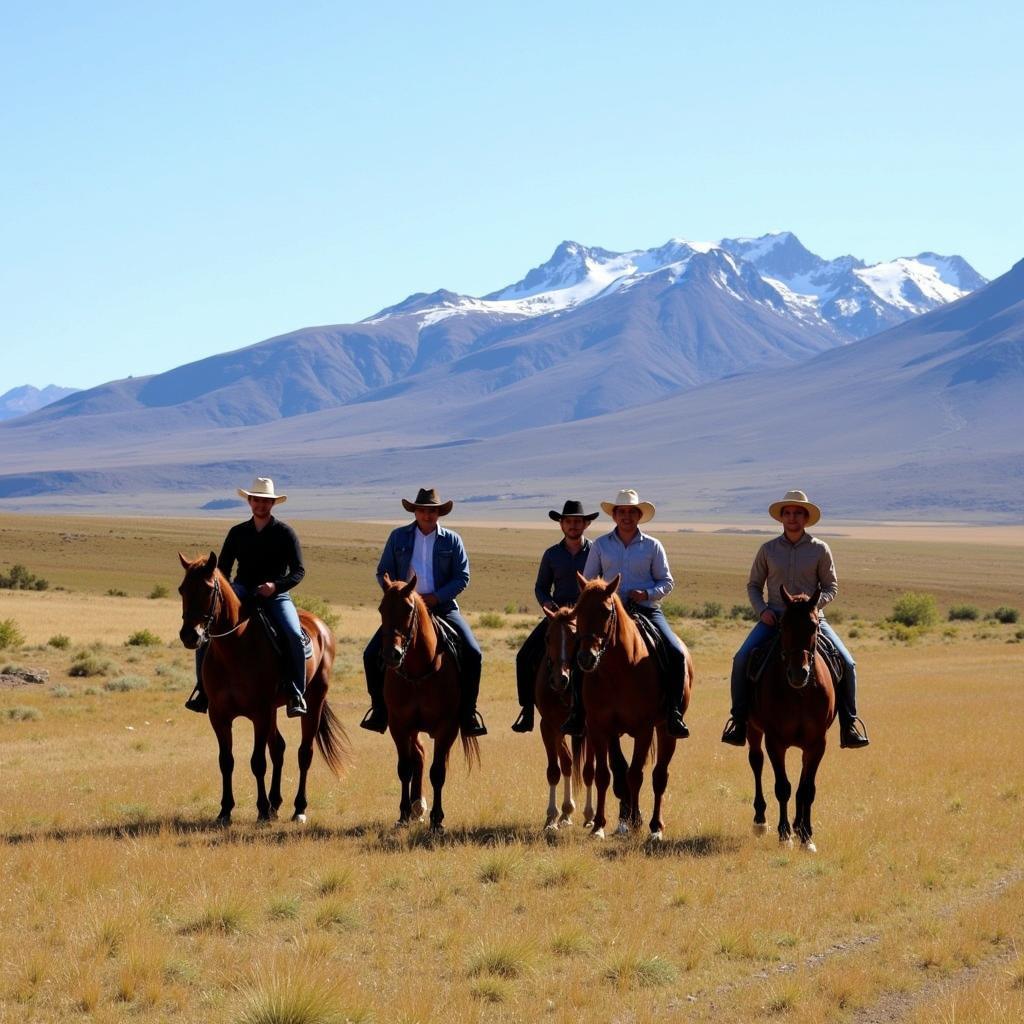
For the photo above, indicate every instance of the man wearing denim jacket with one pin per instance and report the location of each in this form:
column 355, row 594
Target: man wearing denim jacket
column 438, row 559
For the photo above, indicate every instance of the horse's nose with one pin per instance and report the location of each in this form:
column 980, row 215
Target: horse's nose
column 564, row 676
column 393, row 656
column 798, row 678
column 586, row 660
column 189, row 637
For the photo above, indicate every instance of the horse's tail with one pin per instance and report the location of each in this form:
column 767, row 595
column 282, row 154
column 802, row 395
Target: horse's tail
column 579, row 751
column 333, row 741
column 471, row 750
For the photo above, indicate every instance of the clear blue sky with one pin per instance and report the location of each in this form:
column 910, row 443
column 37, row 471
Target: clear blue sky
column 183, row 179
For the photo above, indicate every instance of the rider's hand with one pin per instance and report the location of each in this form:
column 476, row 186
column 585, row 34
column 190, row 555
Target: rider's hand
column 638, row 595
column 768, row 617
column 266, row 589
column 430, row 600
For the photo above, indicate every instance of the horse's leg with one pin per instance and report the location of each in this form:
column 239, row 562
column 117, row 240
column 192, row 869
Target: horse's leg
column 805, row 791
column 226, row 760
column 635, row 780
column 419, row 804
column 438, row 772
column 659, row 779
column 777, row 756
column 261, row 727
column 316, row 694
column 619, row 770
column 277, row 747
column 565, row 763
column 588, row 781
column 404, row 745
column 551, row 742
column 602, row 777
column 755, row 755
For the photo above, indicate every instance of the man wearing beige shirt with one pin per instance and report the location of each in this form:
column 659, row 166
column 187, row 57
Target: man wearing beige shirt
column 801, row 563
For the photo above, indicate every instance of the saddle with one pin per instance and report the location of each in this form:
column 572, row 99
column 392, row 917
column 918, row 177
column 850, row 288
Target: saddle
column 759, row 658
column 274, row 634
column 655, row 642
column 448, row 637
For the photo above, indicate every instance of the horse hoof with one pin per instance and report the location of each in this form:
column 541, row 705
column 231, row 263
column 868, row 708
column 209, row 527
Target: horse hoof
column 437, row 830
column 300, row 818
column 565, row 822
column 223, row 820
column 808, row 846
column 588, row 823
column 419, row 810
column 786, row 842
column 656, row 837
column 598, row 833
column 401, row 823
column 551, row 826
column 622, row 829
column 760, row 828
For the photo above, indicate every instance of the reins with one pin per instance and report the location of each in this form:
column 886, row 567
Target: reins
column 606, row 637
column 407, row 640
column 211, row 614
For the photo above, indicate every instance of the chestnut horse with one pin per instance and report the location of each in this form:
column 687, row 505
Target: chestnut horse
column 793, row 704
column 241, row 677
column 622, row 694
column 551, row 696
column 421, row 691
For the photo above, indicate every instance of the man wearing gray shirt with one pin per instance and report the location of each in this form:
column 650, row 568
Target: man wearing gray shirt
column 646, row 579
column 801, row 563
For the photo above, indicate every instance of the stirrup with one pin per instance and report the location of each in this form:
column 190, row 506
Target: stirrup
column 473, row 724
column 296, row 706
column 852, row 738
column 524, row 723
column 376, row 719
column 575, row 726
column 197, row 702
column 675, row 726
column 735, row 732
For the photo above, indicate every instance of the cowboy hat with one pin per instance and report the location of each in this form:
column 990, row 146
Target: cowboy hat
column 427, row 498
column 263, row 487
column 573, row 509
column 799, row 499
column 628, row 496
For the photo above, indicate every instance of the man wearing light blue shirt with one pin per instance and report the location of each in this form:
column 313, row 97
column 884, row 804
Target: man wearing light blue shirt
column 646, row 579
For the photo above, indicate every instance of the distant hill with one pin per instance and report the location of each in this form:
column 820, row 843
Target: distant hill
column 21, row 400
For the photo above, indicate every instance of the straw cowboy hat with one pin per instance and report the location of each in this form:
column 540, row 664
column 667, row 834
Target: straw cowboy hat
column 628, row 496
column 573, row 509
column 427, row 498
column 799, row 499
column 262, row 487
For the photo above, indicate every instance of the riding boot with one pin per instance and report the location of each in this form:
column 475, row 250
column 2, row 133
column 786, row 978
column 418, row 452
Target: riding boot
column 576, row 724
column 197, row 700
column 524, row 723
column 471, row 722
column 376, row 719
column 852, row 737
column 674, row 724
column 735, row 731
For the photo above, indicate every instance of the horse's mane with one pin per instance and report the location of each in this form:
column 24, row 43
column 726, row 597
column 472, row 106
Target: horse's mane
column 625, row 626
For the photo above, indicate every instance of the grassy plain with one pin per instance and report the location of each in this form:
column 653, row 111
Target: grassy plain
column 122, row 903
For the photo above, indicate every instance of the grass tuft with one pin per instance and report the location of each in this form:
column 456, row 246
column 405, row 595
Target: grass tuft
column 125, row 684
column 505, row 960
column 640, row 972
column 287, row 999
column 22, row 713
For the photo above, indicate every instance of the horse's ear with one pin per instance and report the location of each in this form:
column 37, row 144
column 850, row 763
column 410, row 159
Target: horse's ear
column 786, row 596
column 386, row 581
column 581, row 579
column 614, row 585
column 211, row 563
column 184, row 561
column 410, row 586
column 816, row 596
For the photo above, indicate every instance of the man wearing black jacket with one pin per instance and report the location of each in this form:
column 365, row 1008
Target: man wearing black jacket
column 269, row 565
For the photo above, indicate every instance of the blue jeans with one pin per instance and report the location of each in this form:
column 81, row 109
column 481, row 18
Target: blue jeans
column 673, row 645
column 846, row 698
column 282, row 610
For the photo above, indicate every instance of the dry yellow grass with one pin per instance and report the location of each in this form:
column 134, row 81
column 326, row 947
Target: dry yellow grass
column 121, row 902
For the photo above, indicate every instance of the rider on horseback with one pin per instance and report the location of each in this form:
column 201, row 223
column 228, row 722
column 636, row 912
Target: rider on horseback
column 646, row 579
column 438, row 560
column 801, row 563
column 269, row 565
column 556, row 587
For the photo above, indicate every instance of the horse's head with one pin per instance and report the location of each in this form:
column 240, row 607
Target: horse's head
column 560, row 646
column 798, row 635
column 597, row 610
column 200, row 594
column 399, row 616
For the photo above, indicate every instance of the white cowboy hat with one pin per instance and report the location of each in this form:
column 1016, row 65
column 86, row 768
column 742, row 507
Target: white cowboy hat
column 263, row 487
column 799, row 499
column 628, row 496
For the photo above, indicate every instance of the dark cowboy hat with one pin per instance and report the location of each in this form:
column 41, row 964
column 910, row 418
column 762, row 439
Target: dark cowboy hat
column 427, row 498
column 573, row 508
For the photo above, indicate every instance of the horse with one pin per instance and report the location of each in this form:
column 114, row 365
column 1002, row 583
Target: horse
column 551, row 690
column 793, row 704
column 622, row 694
column 421, row 692
column 241, row 676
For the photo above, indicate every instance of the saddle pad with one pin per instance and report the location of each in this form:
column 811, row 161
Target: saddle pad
column 449, row 637
column 652, row 638
column 273, row 635
column 759, row 658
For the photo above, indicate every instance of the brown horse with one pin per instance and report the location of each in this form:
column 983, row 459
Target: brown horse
column 241, row 677
column 622, row 694
column 793, row 704
column 551, row 693
column 421, row 691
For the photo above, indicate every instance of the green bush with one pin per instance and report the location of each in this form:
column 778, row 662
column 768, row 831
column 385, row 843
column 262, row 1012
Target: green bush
column 913, row 609
column 86, row 663
column 158, row 591
column 490, row 620
column 1006, row 614
column 19, row 578
column 743, row 612
column 115, row 592
column 964, row 613
column 143, row 638
column 709, row 610
column 124, row 684
column 675, row 609
column 10, row 635
column 21, row 713
column 319, row 607
column 60, row 640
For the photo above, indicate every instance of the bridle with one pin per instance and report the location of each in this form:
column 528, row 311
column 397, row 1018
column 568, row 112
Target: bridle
column 203, row 627
column 604, row 639
column 786, row 653
column 407, row 639
column 557, row 685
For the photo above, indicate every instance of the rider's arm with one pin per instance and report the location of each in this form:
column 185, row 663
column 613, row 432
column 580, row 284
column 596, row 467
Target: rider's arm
column 228, row 554
column 593, row 568
column 660, row 574
column 459, row 579
column 296, row 570
column 757, row 580
column 827, row 577
column 388, row 563
column 545, row 581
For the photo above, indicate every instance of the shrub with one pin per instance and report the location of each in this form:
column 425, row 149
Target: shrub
column 143, row 638
column 86, row 663
column 675, row 609
column 491, row 620
column 19, row 578
column 125, row 684
column 60, row 640
column 1006, row 614
column 158, row 591
column 115, row 592
column 964, row 613
column 21, row 713
column 319, row 607
column 912, row 609
column 835, row 615
column 709, row 610
column 743, row 612
column 10, row 635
